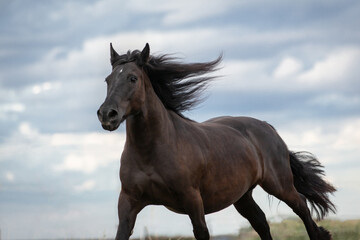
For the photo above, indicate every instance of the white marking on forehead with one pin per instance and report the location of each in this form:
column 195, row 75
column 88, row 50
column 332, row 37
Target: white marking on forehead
column 119, row 70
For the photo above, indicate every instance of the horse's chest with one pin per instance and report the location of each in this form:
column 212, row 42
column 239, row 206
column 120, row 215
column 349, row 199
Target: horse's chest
column 144, row 184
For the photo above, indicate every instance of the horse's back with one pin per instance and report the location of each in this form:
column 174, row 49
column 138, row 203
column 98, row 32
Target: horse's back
column 242, row 124
column 256, row 130
column 271, row 149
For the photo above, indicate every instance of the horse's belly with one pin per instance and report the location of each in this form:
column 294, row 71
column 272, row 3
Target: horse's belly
column 227, row 185
column 176, row 210
column 218, row 200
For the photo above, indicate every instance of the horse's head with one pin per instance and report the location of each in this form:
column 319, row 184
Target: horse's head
column 125, row 88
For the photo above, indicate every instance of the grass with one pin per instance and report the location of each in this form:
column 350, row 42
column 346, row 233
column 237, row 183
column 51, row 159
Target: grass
column 294, row 229
column 288, row 229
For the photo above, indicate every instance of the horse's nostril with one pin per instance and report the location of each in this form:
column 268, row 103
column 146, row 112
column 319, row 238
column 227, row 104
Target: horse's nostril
column 112, row 113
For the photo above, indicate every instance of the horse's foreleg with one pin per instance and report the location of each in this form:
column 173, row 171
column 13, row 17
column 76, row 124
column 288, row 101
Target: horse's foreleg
column 127, row 212
column 194, row 207
column 248, row 208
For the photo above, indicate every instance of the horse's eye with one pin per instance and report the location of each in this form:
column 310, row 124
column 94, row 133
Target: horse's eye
column 133, row 78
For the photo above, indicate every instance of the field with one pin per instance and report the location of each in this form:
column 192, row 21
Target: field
column 293, row 229
column 289, row 229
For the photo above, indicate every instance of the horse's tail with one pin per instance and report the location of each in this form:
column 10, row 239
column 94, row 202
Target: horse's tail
column 308, row 181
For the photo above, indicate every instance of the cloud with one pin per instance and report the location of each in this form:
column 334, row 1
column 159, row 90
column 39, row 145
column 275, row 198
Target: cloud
column 88, row 61
column 29, row 178
column 338, row 67
column 331, row 141
column 83, row 162
column 81, row 152
column 26, row 130
column 244, row 75
column 172, row 13
column 60, row 63
column 9, row 176
column 73, row 87
column 90, row 151
column 45, row 86
column 12, row 107
column 287, row 67
column 336, row 100
column 8, row 109
column 86, row 186
column 349, row 137
column 336, row 70
column 180, row 12
column 75, row 220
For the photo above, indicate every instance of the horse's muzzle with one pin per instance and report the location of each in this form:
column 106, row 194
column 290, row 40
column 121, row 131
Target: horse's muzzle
column 110, row 118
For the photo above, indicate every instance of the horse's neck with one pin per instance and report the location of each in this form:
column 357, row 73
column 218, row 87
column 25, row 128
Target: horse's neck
column 152, row 124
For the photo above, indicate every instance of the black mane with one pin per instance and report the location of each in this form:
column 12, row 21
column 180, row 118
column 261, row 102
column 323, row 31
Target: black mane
column 178, row 85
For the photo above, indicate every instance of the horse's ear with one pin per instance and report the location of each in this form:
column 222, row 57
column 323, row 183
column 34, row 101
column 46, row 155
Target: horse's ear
column 145, row 53
column 113, row 55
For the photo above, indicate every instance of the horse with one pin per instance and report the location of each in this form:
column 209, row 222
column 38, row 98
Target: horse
column 197, row 168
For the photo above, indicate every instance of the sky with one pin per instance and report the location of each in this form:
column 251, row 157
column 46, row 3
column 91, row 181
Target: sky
column 294, row 64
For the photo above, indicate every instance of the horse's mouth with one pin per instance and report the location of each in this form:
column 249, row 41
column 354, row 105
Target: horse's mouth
column 113, row 125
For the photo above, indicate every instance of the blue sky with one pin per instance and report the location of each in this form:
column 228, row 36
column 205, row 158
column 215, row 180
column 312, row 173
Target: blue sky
column 293, row 64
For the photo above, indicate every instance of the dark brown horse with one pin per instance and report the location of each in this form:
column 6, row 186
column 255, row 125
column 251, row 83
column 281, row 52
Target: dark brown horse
column 199, row 168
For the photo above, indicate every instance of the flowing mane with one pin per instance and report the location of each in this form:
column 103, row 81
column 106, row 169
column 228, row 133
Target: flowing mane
column 178, row 85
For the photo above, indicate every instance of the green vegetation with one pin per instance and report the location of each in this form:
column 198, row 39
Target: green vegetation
column 288, row 229
column 293, row 229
